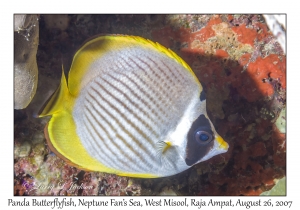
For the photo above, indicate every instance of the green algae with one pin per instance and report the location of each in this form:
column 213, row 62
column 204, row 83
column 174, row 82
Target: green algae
column 278, row 189
column 281, row 121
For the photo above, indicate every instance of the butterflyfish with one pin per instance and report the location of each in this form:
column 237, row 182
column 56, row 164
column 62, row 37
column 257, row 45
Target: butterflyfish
column 130, row 107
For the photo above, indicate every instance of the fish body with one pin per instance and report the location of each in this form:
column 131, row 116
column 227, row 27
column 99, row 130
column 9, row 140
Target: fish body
column 131, row 107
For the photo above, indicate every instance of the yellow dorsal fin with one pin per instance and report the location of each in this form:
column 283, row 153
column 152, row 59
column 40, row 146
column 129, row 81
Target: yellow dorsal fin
column 164, row 50
column 57, row 100
column 167, row 51
column 97, row 47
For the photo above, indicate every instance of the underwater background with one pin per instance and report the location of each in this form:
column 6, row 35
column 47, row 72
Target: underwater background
column 242, row 68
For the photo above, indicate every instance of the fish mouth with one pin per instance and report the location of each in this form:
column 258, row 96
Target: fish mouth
column 223, row 145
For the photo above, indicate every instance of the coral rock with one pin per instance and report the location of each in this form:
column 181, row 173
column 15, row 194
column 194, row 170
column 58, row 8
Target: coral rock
column 25, row 67
column 22, row 150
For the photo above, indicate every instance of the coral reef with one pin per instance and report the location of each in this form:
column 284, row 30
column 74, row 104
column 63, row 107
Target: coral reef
column 242, row 69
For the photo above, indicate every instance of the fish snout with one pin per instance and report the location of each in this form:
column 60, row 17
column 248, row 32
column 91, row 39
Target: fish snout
column 223, row 145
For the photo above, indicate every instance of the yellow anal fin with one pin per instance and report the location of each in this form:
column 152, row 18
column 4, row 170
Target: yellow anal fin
column 56, row 101
column 52, row 148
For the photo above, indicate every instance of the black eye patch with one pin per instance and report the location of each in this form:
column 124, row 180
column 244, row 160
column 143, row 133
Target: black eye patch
column 200, row 140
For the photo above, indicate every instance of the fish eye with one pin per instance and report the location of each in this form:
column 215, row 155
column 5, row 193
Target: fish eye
column 203, row 137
